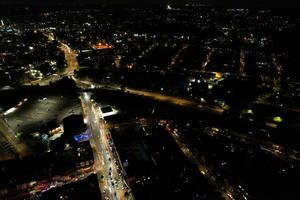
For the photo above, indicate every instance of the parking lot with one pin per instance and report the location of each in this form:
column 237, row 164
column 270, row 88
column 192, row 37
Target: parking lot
column 38, row 111
column 6, row 150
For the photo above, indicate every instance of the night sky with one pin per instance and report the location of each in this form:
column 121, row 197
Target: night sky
column 238, row 3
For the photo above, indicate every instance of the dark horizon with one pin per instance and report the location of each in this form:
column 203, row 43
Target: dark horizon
column 227, row 3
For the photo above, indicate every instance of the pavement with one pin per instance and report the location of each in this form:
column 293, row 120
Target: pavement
column 176, row 101
column 184, row 102
column 38, row 111
column 107, row 163
column 9, row 135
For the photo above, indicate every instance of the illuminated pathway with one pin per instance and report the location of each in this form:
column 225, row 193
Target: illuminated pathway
column 112, row 185
column 242, row 63
column 72, row 64
column 99, row 152
column 222, row 185
column 207, row 60
column 184, row 102
column 109, row 169
column 176, row 100
column 105, row 165
column 107, row 162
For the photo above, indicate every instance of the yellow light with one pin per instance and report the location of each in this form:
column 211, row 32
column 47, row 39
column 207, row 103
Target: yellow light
column 272, row 125
column 130, row 66
column 277, row 119
column 249, row 111
column 215, row 130
column 218, row 75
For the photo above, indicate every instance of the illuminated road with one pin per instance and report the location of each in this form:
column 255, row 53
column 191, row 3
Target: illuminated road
column 110, row 174
column 263, row 99
column 269, row 147
column 71, row 59
column 156, row 96
column 112, row 185
column 207, row 60
column 242, row 63
column 228, row 190
column 100, row 155
column 104, row 160
column 70, row 56
column 279, row 70
column 36, row 188
column 107, row 162
column 175, row 100
column 72, row 64
column 175, row 58
column 225, row 189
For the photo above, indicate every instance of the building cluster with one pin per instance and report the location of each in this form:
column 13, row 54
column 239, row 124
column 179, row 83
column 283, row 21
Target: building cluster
column 195, row 103
column 26, row 55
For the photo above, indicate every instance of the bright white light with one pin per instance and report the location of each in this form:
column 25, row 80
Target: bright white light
column 10, row 111
column 86, row 96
